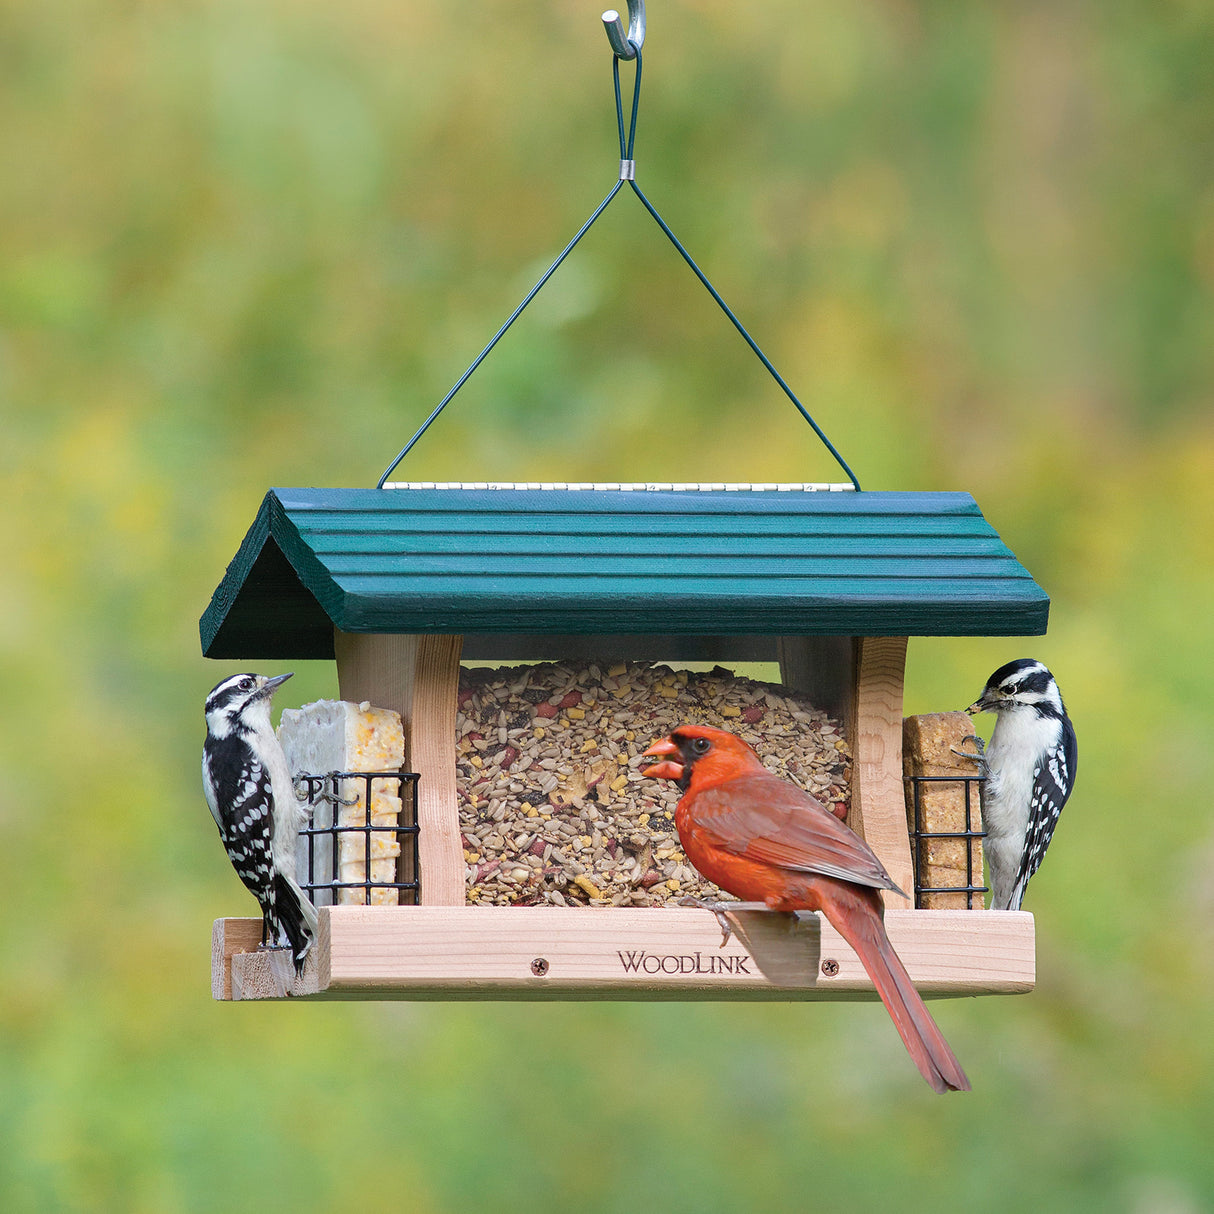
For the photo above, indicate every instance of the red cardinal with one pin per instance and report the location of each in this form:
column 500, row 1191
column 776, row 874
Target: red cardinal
column 764, row 840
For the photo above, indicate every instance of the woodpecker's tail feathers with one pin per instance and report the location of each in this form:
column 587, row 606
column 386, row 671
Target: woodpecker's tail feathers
column 1017, row 896
column 296, row 918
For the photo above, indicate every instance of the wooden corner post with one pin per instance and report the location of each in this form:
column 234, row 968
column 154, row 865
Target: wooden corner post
column 878, row 803
column 417, row 675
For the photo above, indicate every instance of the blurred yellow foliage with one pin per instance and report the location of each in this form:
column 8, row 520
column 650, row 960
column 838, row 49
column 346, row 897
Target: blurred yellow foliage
column 253, row 245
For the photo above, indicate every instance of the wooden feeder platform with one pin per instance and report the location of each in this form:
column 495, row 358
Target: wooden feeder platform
column 557, row 952
column 397, row 584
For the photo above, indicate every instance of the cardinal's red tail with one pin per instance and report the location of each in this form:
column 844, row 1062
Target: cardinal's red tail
column 858, row 921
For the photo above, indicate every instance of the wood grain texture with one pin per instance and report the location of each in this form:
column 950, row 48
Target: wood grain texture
column 241, row 969
column 878, row 807
column 418, row 676
column 431, row 738
column 642, row 953
column 270, row 974
column 229, row 937
column 823, row 668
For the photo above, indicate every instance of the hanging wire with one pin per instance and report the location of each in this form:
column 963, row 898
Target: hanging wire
column 480, row 358
column 627, row 174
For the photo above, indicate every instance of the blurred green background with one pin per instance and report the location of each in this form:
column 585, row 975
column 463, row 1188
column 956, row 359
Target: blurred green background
column 245, row 245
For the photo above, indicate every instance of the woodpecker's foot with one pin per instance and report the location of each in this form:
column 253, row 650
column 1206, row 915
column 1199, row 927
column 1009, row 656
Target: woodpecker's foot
column 978, row 754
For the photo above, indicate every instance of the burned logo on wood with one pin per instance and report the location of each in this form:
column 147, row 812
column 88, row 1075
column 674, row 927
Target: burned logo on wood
column 641, row 961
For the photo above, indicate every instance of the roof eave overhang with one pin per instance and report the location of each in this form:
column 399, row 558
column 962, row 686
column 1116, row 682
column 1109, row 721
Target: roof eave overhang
column 279, row 600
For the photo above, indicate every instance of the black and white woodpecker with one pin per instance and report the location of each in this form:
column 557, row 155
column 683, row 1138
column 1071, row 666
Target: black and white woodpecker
column 1029, row 773
column 248, row 787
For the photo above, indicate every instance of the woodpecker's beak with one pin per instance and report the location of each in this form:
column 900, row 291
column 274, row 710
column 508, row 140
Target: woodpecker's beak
column 982, row 704
column 269, row 686
column 667, row 769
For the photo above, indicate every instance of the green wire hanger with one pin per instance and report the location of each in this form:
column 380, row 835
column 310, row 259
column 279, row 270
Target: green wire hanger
column 625, row 46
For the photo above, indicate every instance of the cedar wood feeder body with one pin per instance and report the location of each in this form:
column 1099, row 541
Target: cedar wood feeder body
column 397, row 583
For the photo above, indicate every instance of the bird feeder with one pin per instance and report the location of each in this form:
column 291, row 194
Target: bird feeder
column 397, row 584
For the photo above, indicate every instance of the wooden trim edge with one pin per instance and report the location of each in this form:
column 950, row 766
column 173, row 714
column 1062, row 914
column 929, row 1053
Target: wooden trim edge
column 442, row 952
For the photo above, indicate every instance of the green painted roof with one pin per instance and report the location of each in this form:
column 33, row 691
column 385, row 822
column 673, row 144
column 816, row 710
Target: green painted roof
column 676, row 561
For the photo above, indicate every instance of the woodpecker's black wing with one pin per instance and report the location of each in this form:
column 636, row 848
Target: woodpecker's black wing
column 1052, row 784
column 242, row 803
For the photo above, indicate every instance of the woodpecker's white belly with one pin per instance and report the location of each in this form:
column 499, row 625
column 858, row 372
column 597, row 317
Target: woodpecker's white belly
column 1019, row 738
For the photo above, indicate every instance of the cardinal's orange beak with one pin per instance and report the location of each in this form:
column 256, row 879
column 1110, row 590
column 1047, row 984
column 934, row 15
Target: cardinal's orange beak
column 666, row 770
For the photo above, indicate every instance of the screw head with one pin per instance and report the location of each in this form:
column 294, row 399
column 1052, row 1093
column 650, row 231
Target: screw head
column 539, row 967
column 830, row 967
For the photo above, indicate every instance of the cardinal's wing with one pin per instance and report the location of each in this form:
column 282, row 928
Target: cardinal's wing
column 768, row 819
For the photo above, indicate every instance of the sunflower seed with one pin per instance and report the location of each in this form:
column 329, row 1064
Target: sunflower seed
column 561, row 794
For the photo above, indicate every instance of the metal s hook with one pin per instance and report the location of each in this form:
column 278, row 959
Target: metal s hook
column 626, row 45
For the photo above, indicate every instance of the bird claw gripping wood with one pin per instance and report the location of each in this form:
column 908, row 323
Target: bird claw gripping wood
column 718, row 909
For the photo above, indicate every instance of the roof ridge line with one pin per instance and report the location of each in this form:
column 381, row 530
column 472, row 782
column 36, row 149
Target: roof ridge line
column 638, row 486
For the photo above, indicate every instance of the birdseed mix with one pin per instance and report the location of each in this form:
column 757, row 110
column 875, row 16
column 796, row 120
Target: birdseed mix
column 553, row 806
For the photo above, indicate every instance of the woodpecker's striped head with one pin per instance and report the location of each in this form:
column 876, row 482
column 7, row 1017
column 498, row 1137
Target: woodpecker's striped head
column 1024, row 684
column 241, row 704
